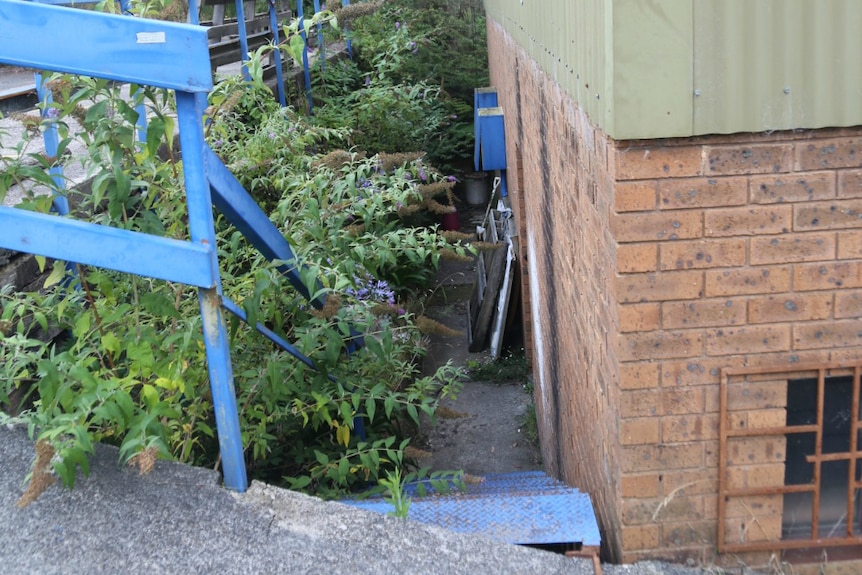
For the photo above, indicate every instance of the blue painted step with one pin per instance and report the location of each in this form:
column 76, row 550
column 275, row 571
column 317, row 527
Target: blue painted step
column 521, row 508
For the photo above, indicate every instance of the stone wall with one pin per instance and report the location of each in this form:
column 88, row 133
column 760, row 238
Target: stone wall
column 651, row 265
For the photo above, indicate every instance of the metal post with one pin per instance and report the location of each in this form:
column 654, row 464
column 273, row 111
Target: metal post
column 347, row 33
column 243, row 37
column 52, row 144
column 189, row 112
column 279, row 73
column 321, row 54
column 301, row 15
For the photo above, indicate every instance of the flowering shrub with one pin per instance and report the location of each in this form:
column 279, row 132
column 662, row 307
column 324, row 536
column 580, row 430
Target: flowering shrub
column 131, row 370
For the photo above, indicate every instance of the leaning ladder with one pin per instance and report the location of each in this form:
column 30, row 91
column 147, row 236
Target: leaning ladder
column 146, row 52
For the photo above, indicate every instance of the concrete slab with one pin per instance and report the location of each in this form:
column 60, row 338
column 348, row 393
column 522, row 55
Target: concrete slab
column 179, row 520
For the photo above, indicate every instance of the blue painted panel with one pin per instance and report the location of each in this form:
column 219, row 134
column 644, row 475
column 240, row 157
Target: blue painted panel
column 482, row 98
column 492, row 139
column 149, row 52
column 102, row 246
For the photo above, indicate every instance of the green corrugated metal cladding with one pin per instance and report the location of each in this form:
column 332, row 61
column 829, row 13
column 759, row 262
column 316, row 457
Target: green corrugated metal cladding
column 667, row 68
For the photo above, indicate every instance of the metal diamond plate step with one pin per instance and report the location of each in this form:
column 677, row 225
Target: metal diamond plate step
column 521, row 508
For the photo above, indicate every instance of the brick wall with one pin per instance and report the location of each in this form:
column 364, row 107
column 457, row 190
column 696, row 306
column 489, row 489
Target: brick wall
column 651, row 265
column 561, row 192
column 732, row 251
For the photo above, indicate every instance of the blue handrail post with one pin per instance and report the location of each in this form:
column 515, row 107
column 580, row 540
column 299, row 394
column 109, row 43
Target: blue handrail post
column 300, row 12
column 190, row 112
column 279, row 73
column 51, row 138
column 321, row 55
column 347, row 33
column 194, row 13
column 243, row 37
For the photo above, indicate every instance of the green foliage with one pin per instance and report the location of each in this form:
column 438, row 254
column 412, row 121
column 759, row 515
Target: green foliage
column 412, row 97
column 511, row 367
column 130, row 368
column 394, row 495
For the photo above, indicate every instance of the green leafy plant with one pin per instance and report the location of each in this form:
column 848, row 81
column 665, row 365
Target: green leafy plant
column 129, row 368
column 394, row 495
column 511, row 367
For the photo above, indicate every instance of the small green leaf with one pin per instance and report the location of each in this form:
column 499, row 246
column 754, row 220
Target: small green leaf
column 370, row 408
column 321, row 457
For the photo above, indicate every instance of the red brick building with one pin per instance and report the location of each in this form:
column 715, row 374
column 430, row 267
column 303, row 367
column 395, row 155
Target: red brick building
column 693, row 286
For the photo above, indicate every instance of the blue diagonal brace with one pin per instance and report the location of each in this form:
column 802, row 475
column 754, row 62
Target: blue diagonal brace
column 231, row 199
column 231, row 306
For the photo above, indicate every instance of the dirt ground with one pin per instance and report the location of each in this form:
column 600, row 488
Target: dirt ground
column 481, row 430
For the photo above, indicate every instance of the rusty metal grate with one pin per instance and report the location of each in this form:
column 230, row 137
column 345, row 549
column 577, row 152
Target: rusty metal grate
column 754, row 433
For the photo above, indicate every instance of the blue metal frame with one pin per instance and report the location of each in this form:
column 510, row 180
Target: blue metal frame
column 321, row 56
column 243, row 36
column 143, row 52
column 279, row 73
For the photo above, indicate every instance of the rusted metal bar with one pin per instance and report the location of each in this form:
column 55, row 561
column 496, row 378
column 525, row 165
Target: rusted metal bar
column 818, row 452
column 831, row 457
column 795, row 370
column 772, row 431
column 789, row 544
column 722, row 457
column 854, row 436
column 852, row 456
column 772, row 490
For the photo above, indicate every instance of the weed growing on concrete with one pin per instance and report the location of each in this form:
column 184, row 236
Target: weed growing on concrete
column 509, row 368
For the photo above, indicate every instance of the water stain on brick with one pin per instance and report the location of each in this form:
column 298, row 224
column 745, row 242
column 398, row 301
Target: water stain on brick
column 553, row 307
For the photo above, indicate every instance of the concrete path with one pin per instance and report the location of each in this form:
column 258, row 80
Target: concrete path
column 178, row 519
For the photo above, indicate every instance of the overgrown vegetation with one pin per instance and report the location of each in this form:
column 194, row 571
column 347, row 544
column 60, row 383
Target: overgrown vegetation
column 411, row 84
column 129, row 367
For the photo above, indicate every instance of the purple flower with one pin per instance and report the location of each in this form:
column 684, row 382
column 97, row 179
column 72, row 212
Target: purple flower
column 367, row 80
column 271, row 135
column 398, row 25
column 218, row 143
column 52, row 113
column 422, row 175
column 451, row 179
column 370, row 289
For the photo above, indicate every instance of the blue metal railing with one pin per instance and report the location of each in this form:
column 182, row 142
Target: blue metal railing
column 145, row 52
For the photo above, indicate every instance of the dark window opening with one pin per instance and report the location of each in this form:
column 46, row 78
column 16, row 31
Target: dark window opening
column 835, row 496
